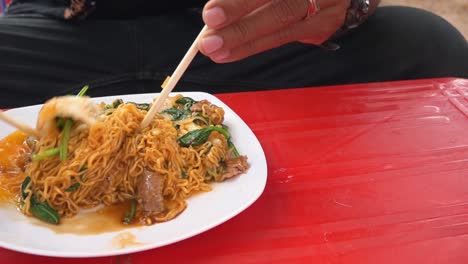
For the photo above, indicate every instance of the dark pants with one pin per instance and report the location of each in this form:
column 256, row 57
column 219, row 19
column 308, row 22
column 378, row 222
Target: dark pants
column 41, row 58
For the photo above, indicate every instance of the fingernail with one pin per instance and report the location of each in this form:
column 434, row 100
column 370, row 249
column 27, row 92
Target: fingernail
column 211, row 44
column 214, row 16
column 220, row 56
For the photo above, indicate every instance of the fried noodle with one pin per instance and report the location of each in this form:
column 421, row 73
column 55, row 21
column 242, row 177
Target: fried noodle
column 106, row 160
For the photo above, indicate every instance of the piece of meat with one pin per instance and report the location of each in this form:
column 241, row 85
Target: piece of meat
column 211, row 111
column 150, row 192
column 234, row 167
column 197, row 107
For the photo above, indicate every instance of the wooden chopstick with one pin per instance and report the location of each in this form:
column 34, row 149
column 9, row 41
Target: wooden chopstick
column 19, row 125
column 173, row 80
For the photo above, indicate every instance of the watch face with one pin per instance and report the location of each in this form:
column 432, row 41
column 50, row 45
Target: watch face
column 363, row 6
column 357, row 13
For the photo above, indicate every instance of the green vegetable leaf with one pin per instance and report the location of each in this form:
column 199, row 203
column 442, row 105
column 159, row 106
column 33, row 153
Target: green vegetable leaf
column 77, row 185
column 199, row 136
column 183, row 174
column 195, row 137
column 60, row 123
column 24, row 185
column 46, row 154
column 179, row 113
column 130, row 215
column 144, row 107
column 176, row 113
column 117, row 102
column 73, row 187
column 187, row 101
column 114, row 104
column 233, row 149
column 65, row 138
column 83, row 91
column 222, row 130
column 44, row 211
column 41, row 210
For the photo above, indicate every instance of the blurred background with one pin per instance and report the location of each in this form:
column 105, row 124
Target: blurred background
column 454, row 11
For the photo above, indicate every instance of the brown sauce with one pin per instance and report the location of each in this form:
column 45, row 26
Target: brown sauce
column 12, row 161
column 124, row 240
column 107, row 219
column 13, row 151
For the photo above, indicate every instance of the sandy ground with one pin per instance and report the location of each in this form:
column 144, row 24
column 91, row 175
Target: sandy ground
column 454, row 11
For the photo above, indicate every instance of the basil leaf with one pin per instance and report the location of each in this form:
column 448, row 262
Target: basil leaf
column 187, row 101
column 77, row 185
column 44, row 211
column 176, row 113
column 25, row 184
column 195, row 137
column 73, row 187
column 129, row 216
column 200, row 136
column 144, row 107
column 117, row 102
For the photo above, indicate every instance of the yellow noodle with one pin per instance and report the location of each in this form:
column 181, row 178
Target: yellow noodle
column 115, row 153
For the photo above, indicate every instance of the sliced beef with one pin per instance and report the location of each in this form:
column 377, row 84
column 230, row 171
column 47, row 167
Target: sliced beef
column 150, row 192
column 198, row 107
column 213, row 112
column 234, row 167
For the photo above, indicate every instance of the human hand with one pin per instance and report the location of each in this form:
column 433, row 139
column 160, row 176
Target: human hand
column 241, row 28
column 76, row 7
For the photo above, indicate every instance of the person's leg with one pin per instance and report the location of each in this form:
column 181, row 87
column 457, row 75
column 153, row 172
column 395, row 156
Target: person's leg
column 397, row 43
column 404, row 43
column 41, row 58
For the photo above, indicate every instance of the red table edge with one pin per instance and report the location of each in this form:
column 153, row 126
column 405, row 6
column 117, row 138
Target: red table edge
column 365, row 84
column 440, row 80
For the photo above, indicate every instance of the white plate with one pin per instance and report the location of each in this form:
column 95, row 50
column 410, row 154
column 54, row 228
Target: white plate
column 203, row 212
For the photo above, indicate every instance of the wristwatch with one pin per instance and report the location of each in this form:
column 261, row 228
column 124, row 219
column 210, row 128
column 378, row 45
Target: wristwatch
column 357, row 13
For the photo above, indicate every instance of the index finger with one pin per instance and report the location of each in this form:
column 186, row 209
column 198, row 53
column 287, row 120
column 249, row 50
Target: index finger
column 219, row 13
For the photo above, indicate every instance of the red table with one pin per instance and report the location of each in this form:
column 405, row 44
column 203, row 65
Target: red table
column 374, row 173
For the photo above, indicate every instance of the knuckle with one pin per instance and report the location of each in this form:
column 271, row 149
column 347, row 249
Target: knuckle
column 283, row 36
column 251, row 48
column 286, row 12
column 245, row 6
column 240, row 31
